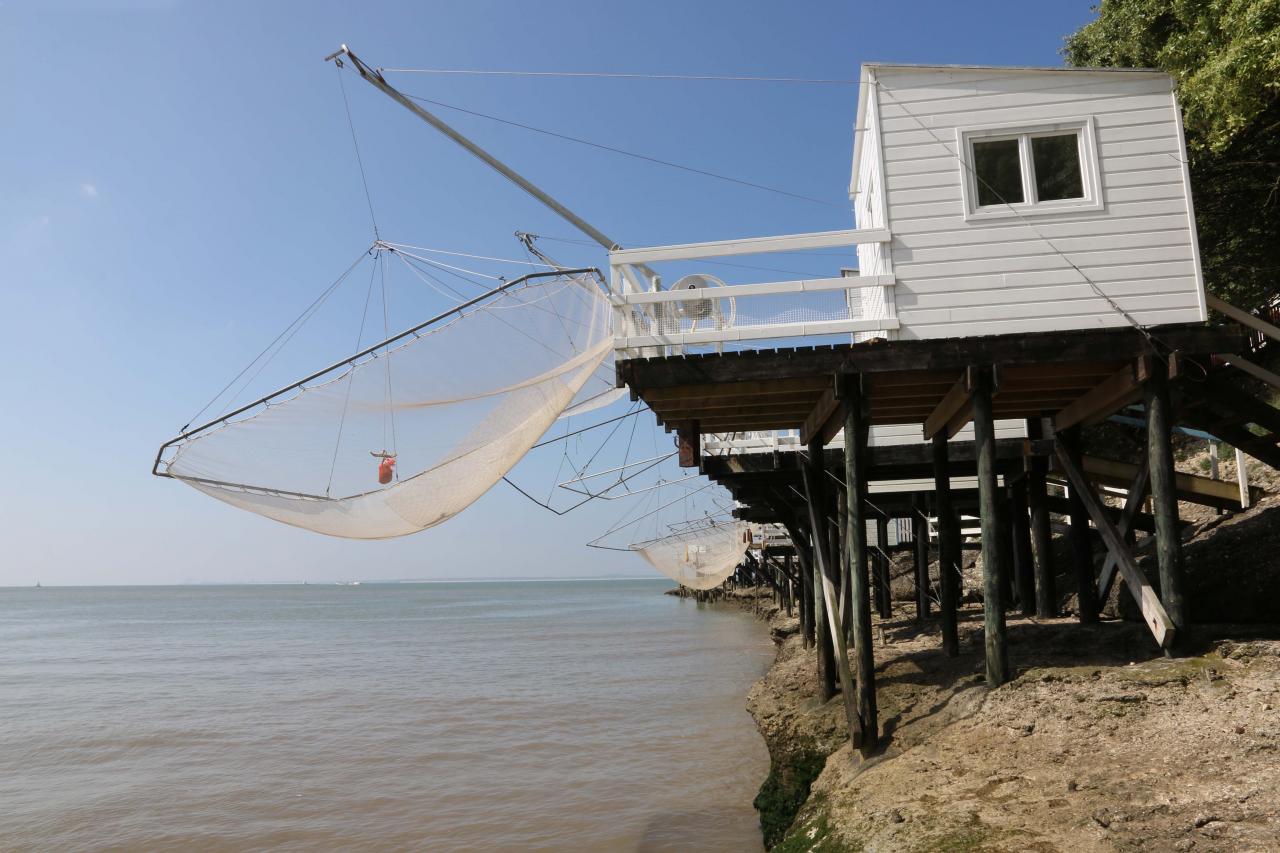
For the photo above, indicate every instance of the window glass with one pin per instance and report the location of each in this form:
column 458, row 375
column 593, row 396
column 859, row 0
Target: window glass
column 1057, row 167
column 997, row 172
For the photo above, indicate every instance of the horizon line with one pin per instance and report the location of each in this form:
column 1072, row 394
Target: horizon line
column 361, row 582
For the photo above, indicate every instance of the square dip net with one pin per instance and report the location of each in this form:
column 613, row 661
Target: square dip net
column 700, row 558
column 408, row 433
column 684, row 527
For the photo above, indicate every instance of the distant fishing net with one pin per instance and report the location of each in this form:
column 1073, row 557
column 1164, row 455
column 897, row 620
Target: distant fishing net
column 700, row 558
column 409, row 434
column 682, row 524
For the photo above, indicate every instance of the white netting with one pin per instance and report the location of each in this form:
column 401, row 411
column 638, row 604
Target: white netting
column 701, row 558
column 598, row 392
column 682, row 524
column 456, row 404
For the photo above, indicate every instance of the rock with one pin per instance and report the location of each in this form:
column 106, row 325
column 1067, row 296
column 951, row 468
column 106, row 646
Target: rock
column 1202, row 820
column 1123, row 697
column 780, row 633
column 1185, row 844
column 1239, row 730
column 896, row 816
column 1073, row 785
column 1101, row 819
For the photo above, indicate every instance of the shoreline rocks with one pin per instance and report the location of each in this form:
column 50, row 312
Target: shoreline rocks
column 1099, row 743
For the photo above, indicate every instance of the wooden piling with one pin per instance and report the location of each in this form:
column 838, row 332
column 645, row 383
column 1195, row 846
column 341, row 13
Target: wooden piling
column 835, row 545
column 920, row 552
column 884, row 592
column 1164, row 498
column 814, row 486
column 688, row 442
column 1041, row 531
column 846, row 583
column 1081, row 545
column 1024, row 577
column 995, row 542
column 849, row 391
column 821, row 637
column 804, row 556
column 1006, row 530
column 948, row 548
column 790, row 571
column 816, row 494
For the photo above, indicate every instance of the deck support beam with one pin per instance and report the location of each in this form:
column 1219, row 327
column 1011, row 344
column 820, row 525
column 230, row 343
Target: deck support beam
column 995, row 542
column 1115, row 392
column 1133, row 503
column 948, row 548
column 1153, row 613
column 953, row 412
column 856, row 428
column 1164, row 498
column 823, row 421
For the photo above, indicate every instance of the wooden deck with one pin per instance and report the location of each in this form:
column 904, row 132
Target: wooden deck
column 1084, row 374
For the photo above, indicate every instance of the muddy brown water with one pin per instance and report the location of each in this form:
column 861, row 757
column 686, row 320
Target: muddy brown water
column 471, row 716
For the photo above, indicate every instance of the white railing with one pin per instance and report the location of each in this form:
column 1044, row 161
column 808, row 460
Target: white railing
column 704, row 311
column 730, row 443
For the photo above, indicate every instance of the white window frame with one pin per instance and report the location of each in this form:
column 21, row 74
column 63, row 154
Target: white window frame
column 1090, row 173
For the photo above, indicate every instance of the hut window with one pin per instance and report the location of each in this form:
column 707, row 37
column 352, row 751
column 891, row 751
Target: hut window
column 1056, row 160
column 1013, row 171
column 998, row 169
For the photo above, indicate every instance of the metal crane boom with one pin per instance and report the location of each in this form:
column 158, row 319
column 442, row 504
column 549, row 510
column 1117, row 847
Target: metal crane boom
column 375, row 77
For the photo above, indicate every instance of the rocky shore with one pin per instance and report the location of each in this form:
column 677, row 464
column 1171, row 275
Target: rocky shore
column 1100, row 743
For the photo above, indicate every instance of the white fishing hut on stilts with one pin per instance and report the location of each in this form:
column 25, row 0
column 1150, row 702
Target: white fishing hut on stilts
column 1028, row 264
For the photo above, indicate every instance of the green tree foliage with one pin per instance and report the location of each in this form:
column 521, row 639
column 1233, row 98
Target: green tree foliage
column 1225, row 57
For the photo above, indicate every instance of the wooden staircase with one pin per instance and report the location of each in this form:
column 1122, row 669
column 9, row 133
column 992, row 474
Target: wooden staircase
column 1237, row 417
column 1224, row 409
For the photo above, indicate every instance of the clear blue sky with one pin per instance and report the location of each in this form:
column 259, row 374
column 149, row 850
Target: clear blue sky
column 178, row 182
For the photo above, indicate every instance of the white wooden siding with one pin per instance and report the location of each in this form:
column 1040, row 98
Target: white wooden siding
column 926, row 485
column 957, row 278
column 884, row 435
column 870, row 212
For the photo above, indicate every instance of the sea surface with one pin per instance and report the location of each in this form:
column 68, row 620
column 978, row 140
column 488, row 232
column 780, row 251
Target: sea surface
column 568, row 715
